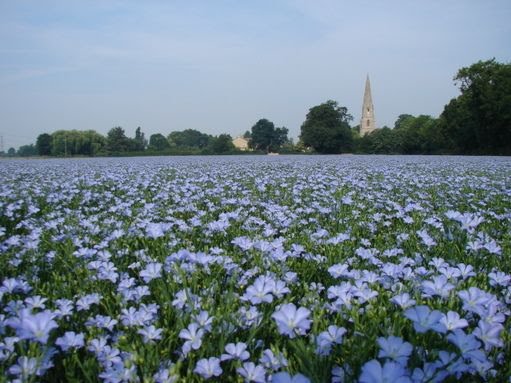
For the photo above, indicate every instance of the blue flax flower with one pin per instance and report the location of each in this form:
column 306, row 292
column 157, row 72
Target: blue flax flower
column 403, row 300
column 475, row 299
column 118, row 373
column 151, row 271
column 193, row 336
column 235, row 351
column 86, row 301
column 325, row 340
column 292, row 321
column 252, row 373
column 260, row 291
column 284, row 377
column 207, row 368
column 33, row 326
column 395, row 348
column 150, row 333
column 424, row 319
column 164, row 375
column 391, row 372
column 438, row 286
column 452, row 321
column 70, row 340
column 203, row 320
column 25, row 368
column 35, row 302
column 271, row 361
column 429, row 373
column 467, row 344
column 489, row 333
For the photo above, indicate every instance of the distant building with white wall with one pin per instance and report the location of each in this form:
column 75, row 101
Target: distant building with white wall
column 240, row 143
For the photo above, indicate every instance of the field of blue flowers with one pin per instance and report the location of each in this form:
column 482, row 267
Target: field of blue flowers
column 256, row 269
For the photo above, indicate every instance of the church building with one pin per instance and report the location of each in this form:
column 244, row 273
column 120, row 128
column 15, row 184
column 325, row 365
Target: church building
column 367, row 121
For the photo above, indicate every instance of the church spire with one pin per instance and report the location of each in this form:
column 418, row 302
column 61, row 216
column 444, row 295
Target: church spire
column 367, row 122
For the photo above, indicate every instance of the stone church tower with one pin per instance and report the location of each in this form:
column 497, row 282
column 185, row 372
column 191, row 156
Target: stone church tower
column 367, row 122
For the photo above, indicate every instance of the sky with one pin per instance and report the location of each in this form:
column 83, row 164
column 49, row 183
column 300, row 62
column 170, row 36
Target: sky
column 218, row 66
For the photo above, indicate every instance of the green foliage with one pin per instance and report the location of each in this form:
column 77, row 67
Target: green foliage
column 411, row 135
column 139, row 141
column 479, row 120
column 262, row 135
column 75, row 142
column 189, row 138
column 158, row 142
column 221, row 144
column 90, row 143
column 27, row 151
column 381, row 141
column 280, row 137
column 265, row 137
column 117, row 141
column 43, row 144
column 417, row 135
column 476, row 122
column 326, row 128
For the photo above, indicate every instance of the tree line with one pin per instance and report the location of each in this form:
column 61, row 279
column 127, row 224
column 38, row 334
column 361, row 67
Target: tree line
column 478, row 121
column 263, row 137
column 116, row 142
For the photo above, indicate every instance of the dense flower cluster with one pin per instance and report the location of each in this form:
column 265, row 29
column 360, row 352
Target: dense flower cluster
column 256, row 269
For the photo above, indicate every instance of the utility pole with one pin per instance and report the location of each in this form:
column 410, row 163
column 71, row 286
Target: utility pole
column 1, row 144
column 65, row 146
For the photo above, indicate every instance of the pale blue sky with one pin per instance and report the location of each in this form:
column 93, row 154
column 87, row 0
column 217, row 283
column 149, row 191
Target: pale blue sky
column 219, row 66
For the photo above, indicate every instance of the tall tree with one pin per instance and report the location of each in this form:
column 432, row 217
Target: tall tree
column 158, row 142
column 326, row 128
column 43, row 144
column 116, row 140
column 140, row 142
column 264, row 136
column 280, row 137
column 479, row 120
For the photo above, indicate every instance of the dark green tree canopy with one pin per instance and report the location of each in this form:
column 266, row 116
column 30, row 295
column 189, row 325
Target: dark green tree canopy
column 140, row 142
column 326, row 128
column 158, row 142
column 43, row 144
column 27, row 150
column 417, row 135
column 116, row 140
column 479, row 120
column 264, row 136
column 221, row 144
column 189, row 138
